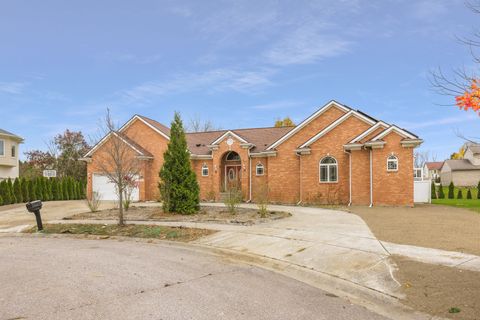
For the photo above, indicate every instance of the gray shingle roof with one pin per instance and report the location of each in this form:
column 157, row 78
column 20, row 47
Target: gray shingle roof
column 461, row 165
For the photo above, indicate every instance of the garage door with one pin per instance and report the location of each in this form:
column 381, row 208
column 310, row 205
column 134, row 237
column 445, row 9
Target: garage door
column 107, row 190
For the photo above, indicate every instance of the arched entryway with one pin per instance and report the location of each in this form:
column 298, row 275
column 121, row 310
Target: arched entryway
column 231, row 171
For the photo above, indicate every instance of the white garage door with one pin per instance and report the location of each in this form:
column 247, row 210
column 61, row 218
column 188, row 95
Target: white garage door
column 107, row 190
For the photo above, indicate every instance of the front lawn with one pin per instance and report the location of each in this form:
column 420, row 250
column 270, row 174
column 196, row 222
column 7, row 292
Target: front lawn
column 472, row 204
column 129, row 230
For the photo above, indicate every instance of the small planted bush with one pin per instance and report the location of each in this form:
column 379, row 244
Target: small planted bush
column 434, row 191
column 459, row 194
column 441, row 193
column 451, row 191
column 469, row 194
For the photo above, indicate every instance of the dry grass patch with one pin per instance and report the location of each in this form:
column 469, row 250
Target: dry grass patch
column 130, row 230
column 208, row 214
column 431, row 226
column 439, row 290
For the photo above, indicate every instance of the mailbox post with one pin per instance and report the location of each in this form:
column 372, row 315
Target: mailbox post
column 34, row 207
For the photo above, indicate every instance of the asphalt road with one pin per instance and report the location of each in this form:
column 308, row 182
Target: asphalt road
column 48, row 278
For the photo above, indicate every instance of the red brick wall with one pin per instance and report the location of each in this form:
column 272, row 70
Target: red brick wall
column 259, row 182
column 284, row 169
column 206, row 183
column 361, row 177
column 156, row 144
column 330, row 144
column 393, row 188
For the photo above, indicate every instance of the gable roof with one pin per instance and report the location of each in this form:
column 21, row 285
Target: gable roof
column 369, row 130
column 336, row 123
column 155, row 125
column 474, row 147
column 9, row 134
column 329, row 105
column 261, row 138
column 434, row 165
column 404, row 133
column 132, row 144
column 461, row 165
column 226, row 134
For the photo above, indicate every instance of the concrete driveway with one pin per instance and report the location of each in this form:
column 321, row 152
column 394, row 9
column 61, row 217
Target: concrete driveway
column 47, row 278
column 15, row 217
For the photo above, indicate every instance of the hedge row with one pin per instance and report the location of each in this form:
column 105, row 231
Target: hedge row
column 45, row 189
column 455, row 193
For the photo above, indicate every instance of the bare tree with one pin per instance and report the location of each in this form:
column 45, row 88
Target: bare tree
column 118, row 162
column 197, row 124
column 459, row 81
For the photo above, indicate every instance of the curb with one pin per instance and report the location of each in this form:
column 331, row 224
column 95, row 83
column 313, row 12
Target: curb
column 382, row 304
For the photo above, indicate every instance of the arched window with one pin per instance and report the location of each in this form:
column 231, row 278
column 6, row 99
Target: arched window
column 328, row 170
column 204, row 170
column 233, row 156
column 260, row 169
column 392, row 163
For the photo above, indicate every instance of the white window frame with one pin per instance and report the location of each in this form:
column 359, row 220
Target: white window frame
column 13, row 151
column 230, row 153
column 205, row 167
column 328, row 165
column 258, row 166
column 392, row 158
column 416, row 175
column 2, row 149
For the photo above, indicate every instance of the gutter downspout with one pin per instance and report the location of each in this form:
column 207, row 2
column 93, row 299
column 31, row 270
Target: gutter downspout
column 371, row 180
column 250, row 179
column 349, row 177
column 300, row 180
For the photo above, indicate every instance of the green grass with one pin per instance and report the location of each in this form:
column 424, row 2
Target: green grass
column 129, row 230
column 473, row 204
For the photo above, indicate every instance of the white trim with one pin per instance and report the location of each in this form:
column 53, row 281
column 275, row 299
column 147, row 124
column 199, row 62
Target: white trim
column 394, row 160
column 201, row 156
column 257, row 167
column 236, row 136
column 137, row 117
column 205, row 166
column 263, row 154
column 101, row 142
column 307, row 121
column 328, row 165
column 369, row 130
column 371, row 178
column 396, row 129
column 335, row 124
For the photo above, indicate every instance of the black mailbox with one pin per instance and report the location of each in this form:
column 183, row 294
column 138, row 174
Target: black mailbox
column 35, row 206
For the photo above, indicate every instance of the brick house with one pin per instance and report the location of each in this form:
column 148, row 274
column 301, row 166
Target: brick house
column 336, row 155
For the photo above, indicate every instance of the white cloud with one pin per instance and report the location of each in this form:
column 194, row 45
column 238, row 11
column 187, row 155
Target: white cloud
column 210, row 81
column 441, row 121
column 275, row 105
column 12, row 87
column 307, row 44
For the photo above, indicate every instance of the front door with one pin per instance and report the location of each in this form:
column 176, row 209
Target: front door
column 233, row 174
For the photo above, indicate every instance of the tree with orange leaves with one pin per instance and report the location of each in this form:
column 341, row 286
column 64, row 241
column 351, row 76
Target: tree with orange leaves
column 470, row 99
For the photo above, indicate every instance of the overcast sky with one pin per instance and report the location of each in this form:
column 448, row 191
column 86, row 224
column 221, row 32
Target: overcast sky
column 237, row 63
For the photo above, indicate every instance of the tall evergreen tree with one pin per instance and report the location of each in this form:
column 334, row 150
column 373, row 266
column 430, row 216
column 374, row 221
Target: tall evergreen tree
column 17, row 189
column 178, row 183
column 54, row 189
column 32, row 190
column 451, row 191
column 60, row 189
column 24, row 184
column 434, row 191
column 441, row 193
column 4, row 192
column 469, row 194
column 13, row 199
column 65, row 189
column 478, row 190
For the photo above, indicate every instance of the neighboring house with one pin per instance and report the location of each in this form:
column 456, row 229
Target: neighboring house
column 432, row 169
column 337, row 155
column 9, row 149
column 463, row 172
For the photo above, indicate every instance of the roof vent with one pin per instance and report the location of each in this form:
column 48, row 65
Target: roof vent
column 198, row 145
